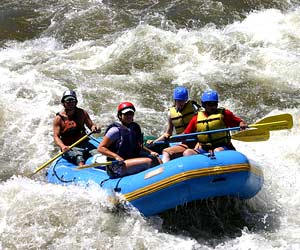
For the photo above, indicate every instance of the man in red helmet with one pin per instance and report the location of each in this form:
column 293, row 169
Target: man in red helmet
column 123, row 142
column 69, row 126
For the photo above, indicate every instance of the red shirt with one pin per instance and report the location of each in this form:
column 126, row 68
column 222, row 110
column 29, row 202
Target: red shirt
column 230, row 121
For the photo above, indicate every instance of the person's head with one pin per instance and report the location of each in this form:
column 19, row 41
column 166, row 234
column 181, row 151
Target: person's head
column 126, row 112
column 180, row 96
column 69, row 99
column 209, row 101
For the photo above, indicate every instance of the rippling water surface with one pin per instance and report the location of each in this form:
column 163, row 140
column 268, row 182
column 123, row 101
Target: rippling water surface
column 139, row 51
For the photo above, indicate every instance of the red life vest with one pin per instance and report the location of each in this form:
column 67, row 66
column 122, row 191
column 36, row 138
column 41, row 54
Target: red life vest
column 72, row 128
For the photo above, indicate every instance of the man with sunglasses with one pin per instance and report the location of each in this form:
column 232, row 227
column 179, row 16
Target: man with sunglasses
column 69, row 126
column 212, row 118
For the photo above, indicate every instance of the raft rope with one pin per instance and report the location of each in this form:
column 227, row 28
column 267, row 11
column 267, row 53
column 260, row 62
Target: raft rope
column 212, row 155
column 61, row 178
column 102, row 182
column 116, row 189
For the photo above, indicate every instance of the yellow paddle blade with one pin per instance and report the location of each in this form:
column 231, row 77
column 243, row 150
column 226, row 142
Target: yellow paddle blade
column 270, row 126
column 252, row 135
column 276, row 122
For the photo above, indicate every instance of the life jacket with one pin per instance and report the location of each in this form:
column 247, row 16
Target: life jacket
column 72, row 129
column 128, row 145
column 212, row 122
column 180, row 119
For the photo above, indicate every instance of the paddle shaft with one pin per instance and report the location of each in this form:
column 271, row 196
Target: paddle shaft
column 276, row 125
column 175, row 137
column 252, row 135
column 96, row 164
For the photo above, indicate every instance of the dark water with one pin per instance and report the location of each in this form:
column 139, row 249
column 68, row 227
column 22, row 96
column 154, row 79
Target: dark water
column 215, row 220
column 22, row 20
column 104, row 21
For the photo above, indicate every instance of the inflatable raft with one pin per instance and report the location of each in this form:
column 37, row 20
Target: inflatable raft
column 182, row 180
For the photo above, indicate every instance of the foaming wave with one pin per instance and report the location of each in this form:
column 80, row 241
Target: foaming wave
column 52, row 216
column 279, row 159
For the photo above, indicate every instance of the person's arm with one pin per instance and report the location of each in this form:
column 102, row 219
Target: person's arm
column 231, row 120
column 165, row 135
column 168, row 132
column 243, row 125
column 56, row 134
column 110, row 137
column 103, row 148
column 150, row 151
column 89, row 123
column 191, row 127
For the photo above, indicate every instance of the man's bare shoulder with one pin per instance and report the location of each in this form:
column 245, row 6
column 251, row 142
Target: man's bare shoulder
column 59, row 116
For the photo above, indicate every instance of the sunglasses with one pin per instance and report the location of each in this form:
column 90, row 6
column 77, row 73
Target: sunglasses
column 211, row 104
column 70, row 101
column 129, row 113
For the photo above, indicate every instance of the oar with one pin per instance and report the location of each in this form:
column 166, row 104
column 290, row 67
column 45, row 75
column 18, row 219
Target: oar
column 96, row 164
column 251, row 135
column 60, row 154
column 276, row 122
column 176, row 138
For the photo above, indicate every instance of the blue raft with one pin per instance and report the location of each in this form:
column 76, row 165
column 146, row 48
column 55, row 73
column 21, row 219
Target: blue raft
column 174, row 183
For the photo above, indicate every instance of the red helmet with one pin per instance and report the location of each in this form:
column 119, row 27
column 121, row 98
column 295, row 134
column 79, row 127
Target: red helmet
column 125, row 107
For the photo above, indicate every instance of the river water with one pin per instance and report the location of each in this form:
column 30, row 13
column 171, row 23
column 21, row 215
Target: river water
column 138, row 51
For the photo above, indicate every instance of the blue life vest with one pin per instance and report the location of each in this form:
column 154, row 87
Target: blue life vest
column 130, row 140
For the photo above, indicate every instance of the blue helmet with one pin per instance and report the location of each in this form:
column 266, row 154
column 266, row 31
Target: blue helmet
column 180, row 94
column 210, row 96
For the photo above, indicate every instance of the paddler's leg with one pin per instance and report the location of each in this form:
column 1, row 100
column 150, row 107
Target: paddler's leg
column 198, row 149
column 189, row 152
column 173, row 152
column 136, row 165
column 75, row 156
column 127, row 167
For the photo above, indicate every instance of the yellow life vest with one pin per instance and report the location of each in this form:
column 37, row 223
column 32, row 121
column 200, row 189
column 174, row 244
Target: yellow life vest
column 182, row 118
column 212, row 122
